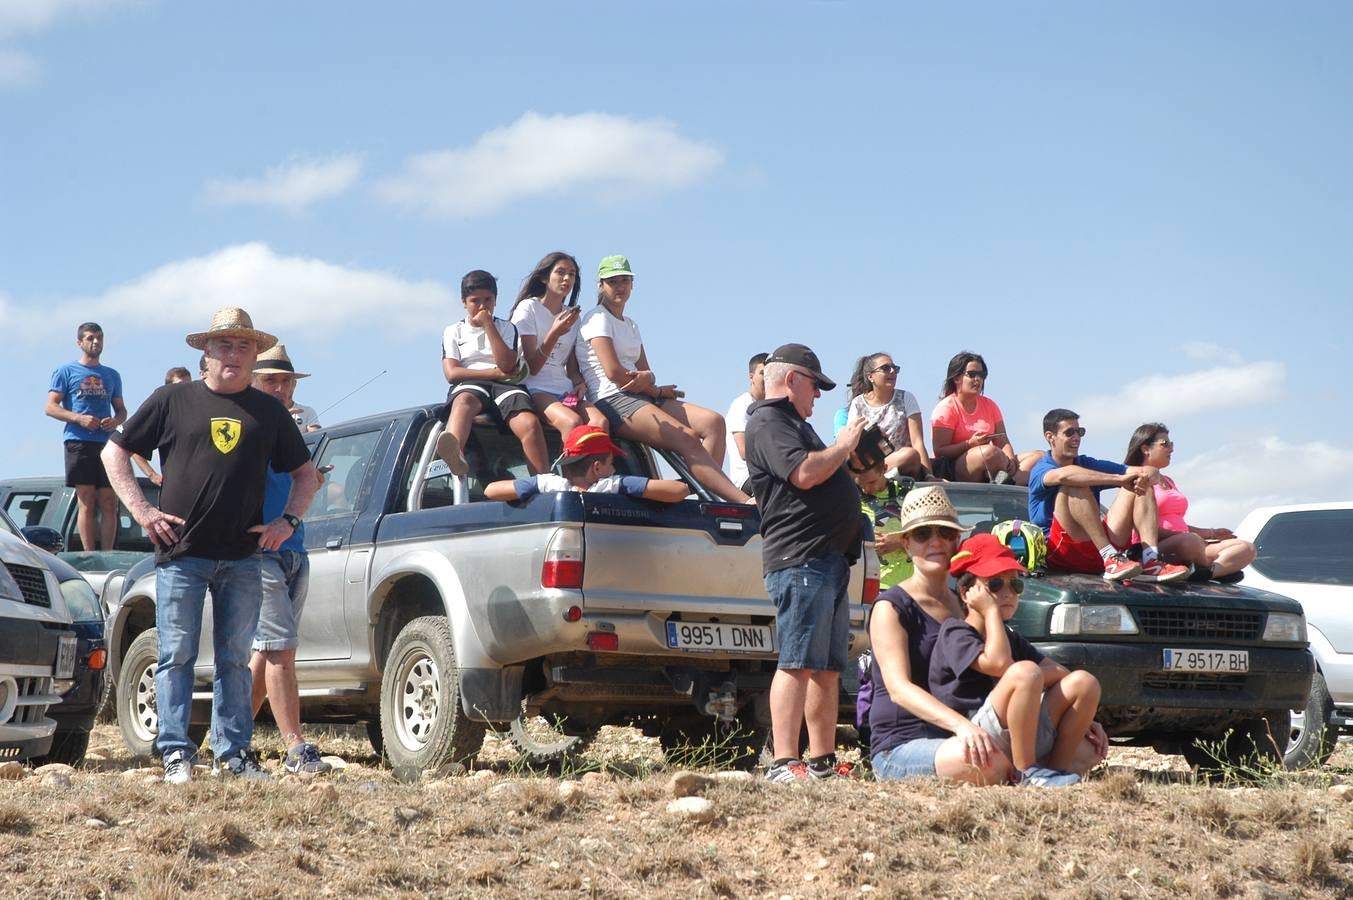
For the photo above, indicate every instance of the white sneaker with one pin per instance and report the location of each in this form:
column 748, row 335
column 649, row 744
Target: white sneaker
column 178, row 767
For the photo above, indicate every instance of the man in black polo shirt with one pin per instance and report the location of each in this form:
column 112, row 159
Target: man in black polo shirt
column 810, row 529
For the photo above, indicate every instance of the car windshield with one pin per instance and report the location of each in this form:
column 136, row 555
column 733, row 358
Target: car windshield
column 7, row 524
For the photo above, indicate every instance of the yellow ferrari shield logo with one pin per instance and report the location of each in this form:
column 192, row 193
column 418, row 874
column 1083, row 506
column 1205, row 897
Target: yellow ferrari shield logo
column 225, row 434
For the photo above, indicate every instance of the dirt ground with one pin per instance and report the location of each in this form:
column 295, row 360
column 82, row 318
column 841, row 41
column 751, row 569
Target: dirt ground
column 1142, row 826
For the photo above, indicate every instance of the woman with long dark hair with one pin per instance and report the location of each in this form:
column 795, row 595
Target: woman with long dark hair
column 968, row 429
column 623, row 388
column 546, row 315
column 1214, row 553
column 876, row 398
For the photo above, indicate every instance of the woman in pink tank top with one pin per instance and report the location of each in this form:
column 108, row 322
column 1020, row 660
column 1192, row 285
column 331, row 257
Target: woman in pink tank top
column 1214, row 553
column 968, row 429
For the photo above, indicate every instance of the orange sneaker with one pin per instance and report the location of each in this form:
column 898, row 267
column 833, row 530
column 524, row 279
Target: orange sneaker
column 1119, row 568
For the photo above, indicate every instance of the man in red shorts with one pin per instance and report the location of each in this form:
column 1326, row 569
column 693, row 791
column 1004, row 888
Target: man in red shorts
column 1064, row 489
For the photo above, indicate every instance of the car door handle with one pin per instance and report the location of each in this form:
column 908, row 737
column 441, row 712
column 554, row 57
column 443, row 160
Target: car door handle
column 333, row 543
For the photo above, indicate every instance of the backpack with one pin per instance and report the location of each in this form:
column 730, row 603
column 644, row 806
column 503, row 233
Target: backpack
column 1025, row 540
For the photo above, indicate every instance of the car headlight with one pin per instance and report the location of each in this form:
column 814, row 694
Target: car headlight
column 1287, row 627
column 1071, row 618
column 81, row 601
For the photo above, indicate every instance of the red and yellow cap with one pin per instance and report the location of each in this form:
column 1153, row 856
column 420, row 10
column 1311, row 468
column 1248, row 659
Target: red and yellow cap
column 585, row 440
column 984, row 556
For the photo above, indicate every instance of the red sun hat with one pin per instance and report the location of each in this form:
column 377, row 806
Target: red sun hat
column 585, row 440
column 984, row 556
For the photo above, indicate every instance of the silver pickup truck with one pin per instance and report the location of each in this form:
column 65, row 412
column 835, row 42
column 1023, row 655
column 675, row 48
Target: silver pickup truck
column 434, row 613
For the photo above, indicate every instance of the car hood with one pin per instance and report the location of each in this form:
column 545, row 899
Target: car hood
column 16, row 551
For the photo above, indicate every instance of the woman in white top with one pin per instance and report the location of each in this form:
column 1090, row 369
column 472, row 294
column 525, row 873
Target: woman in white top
column 622, row 387
column 876, row 398
column 546, row 315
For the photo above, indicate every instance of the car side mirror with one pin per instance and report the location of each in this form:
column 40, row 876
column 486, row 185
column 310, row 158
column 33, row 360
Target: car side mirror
column 44, row 538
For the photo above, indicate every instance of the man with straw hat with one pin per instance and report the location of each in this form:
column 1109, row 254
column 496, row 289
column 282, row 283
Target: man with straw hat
column 216, row 439
column 810, row 529
column 286, row 578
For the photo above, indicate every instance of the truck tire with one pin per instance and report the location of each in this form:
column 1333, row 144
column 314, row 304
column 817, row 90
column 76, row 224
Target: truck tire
column 105, row 711
column 541, row 742
column 1312, row 735
column 68, row 747
column 137, row 717
column 1252, row 746
column 422, row 723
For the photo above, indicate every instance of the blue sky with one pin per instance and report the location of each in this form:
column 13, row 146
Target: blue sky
column 1140, row 211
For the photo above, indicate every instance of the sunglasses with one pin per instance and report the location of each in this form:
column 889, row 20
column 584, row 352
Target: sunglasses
column 1168, row 445
column 1000, row 581
column 889, row 369
column 816, row 384
column 926, row 532
column 976, row 374
column 1074, row 432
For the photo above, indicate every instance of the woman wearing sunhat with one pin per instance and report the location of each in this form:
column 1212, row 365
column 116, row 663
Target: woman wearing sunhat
column 621, row 385
column 913, row 733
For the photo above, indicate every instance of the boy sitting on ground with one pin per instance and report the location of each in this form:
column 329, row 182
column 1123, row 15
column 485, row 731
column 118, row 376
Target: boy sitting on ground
column 479, row 359
column 588, row 464
column 1035, row 710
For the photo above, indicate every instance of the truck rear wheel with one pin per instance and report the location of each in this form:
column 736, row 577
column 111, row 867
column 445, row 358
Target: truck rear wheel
column 422, row 723
column 137, row 716
column 1312, row 736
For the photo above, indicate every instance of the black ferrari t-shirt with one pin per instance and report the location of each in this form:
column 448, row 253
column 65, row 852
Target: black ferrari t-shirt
column 796, row 525
column 215, row 449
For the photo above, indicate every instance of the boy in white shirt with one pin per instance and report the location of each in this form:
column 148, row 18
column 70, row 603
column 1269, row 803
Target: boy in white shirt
column 480, row 360
column 736, row 419
column 588, row 464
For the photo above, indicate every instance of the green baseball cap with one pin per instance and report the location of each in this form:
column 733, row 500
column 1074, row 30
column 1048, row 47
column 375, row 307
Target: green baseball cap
column 612, row 266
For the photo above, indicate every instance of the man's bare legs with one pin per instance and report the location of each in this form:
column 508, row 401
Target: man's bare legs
column 274, row 674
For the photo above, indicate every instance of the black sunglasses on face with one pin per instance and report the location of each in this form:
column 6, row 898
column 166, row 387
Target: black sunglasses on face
column 889, row 369
column 1016, row 584
column 817, row 385
column 926, row 532
column 976, row 374
column 1074, row 432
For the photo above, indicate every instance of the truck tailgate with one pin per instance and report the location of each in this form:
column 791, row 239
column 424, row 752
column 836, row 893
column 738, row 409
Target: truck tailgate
column 707, row 555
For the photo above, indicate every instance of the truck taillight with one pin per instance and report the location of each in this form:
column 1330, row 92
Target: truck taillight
column 563, row 566
column 871, row 590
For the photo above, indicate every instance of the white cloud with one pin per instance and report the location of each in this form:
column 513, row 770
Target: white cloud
column 31, row 16
column 1163, row 398
column 292, row 185
column 17, row 68
column 539, row 154
column 1208, row 352
column 283, row 294
column 1225, row 483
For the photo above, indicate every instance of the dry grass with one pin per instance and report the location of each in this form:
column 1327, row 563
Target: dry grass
column 1141, row 828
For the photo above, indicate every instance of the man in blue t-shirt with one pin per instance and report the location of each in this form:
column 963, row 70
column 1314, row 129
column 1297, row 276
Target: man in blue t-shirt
column 87, row 396
column 1064, row 489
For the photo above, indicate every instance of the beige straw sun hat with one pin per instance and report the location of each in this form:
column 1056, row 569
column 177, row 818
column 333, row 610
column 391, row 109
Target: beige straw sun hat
column 928, row 505
column 276, row 362
column 231, row 321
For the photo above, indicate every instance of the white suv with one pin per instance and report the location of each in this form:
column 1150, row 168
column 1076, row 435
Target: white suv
column 1306, row 552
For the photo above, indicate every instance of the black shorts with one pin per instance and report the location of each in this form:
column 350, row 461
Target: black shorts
column 497, row 400
column 617, row 408
column 83, row 465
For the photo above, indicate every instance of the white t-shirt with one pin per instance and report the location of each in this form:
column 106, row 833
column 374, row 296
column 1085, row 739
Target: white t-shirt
column 624, row 334
column 550, row 482
column 470, row 345
column 736, row 420
column 891, row 417
column 534, row 318
column 304, row 416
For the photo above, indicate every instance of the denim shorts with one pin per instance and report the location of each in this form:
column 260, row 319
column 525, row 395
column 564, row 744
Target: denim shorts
column 286, row 577
column 812, row 614
column 914, row 759
column 986, row 719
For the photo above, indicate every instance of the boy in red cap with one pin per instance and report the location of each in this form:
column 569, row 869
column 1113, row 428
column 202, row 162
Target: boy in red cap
column 587, row 464
column 1034, row 709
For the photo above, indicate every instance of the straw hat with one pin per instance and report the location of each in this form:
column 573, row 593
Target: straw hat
column 927, row 505
column 275, row 361
column 231, row 321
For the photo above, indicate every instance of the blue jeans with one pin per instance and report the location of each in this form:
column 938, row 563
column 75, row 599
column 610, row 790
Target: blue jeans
column 913, row 759
column 180, row 588
column 812, row 613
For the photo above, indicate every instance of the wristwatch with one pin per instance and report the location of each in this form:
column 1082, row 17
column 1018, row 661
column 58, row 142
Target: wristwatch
column 293, row 521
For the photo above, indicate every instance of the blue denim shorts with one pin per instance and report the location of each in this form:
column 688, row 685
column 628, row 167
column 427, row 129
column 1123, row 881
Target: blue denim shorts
column 812, row 614
column 985, row 718
column 914, row 759
column 286, row 578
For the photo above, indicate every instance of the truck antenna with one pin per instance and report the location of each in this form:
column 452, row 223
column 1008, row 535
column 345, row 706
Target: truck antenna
column 351, row 392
